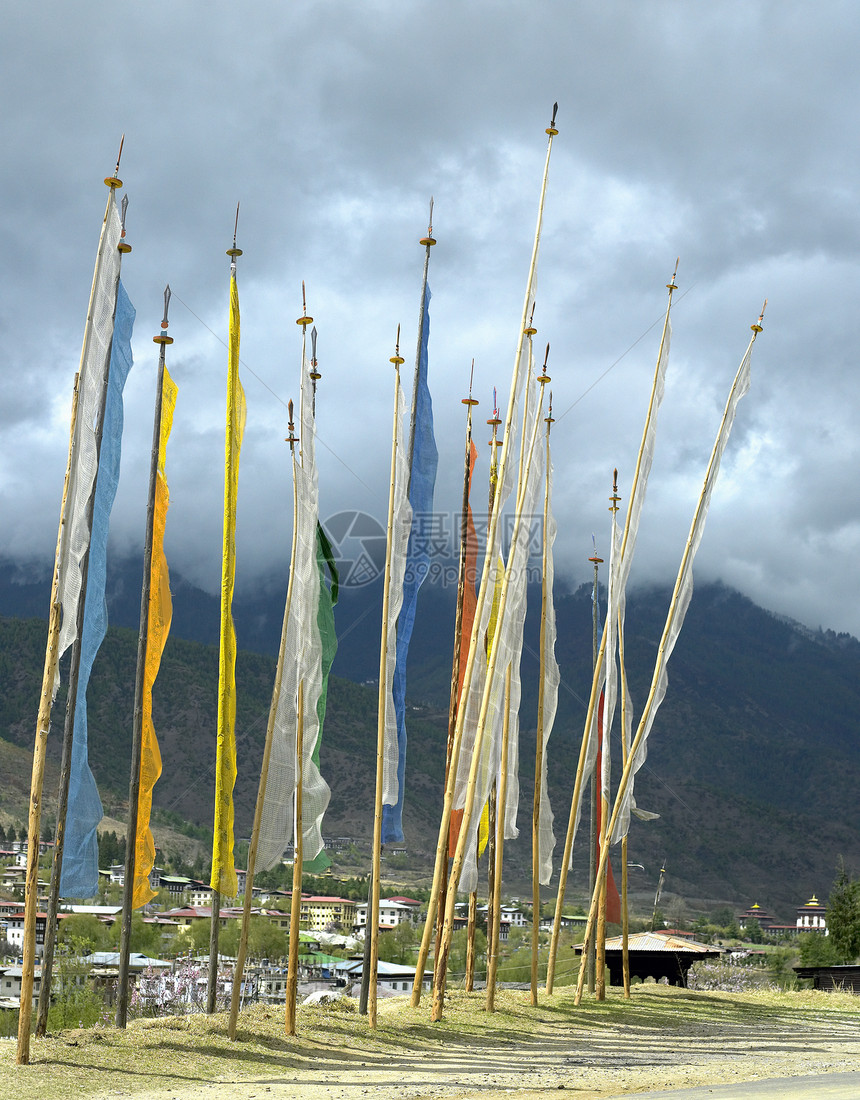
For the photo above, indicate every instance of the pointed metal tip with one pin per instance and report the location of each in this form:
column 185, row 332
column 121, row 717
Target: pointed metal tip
column 119, row 154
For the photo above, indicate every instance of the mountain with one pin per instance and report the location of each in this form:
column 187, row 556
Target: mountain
column 750, row 762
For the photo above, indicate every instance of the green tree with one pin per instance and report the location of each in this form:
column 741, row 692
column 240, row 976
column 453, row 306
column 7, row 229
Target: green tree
column 86, row 932
column 398, row 945
column 75, row 1002
column 843, row 916
column 145, row 938
column 457, row 953
column 817, row 950
column 265, row 941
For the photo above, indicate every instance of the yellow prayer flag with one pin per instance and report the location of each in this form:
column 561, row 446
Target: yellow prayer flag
column 223, row 869
column 159, row 618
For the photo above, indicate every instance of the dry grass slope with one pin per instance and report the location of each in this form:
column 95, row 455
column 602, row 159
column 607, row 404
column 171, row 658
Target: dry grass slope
column 663, row 1037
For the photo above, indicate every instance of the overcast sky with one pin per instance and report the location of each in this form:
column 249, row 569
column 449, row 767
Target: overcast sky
column 724, row 133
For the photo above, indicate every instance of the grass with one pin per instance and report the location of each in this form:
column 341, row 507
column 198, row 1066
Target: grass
column 182, row 1052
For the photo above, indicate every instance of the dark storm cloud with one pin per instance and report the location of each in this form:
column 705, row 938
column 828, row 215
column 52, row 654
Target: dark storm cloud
column 720, row 133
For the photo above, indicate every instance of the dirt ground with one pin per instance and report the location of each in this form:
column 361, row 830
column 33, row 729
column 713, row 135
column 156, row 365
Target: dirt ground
column 663, row 1038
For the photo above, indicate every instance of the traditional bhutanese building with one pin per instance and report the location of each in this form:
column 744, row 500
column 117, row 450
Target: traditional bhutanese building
column 757, row 914
column 811, row 917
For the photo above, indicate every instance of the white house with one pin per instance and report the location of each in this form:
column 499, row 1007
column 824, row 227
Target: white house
column 391, row 913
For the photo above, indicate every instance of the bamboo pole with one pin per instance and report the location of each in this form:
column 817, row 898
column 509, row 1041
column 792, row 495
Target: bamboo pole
column 292, row 439
column 481, row 728
column 215, row 914
column 598, row 664
column 539, row 735
column 373, row 914
column 493, row 955
column 43, row 720
column 454, row 700
column 235, row 995
column 298, row 859
column 121, row 1016
column 442, row 843
column 690, row 548
column 592, row 848
column 603, row 750
column 470, row 942
column 625, row 914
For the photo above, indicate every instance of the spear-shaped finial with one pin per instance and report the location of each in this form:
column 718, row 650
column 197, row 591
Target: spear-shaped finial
column 315, row 374
column 757, row 327
column 292, row 438
column 234, row 251
column 543, row 378
column 613, row 507
column 549, row 419
column 429, row 240
column 304, row 320
column 670, row 286
column 551, row 129
column 494, row 422
column 114, row 181
column 530, row 330
column 123, row 245
column 396, row 358
column 470, row 401
column 162, row 337
column 594, row 557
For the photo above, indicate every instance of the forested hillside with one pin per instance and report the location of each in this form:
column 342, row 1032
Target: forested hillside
column 751, row 762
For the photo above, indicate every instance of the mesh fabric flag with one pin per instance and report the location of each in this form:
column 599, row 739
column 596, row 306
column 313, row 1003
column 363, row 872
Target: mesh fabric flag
column 223, row 870
column 681, row 595
column 470, row 599
column 84, row 458
column 80, row 870
column 546, row 837
column 158, row 620
column 328, row 641
column 422, row 480
column 308, row 652
column 401, row 528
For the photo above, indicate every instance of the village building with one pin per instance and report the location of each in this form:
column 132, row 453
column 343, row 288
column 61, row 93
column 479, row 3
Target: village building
column 391, row 913
column 811, row 917
column 321, row 913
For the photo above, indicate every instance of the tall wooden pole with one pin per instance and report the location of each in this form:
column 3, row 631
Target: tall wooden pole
column 444, row 824
column 666, row 641
column 605, row 764
column 247, row 904
column 654, row 401
column 592, row 848
column 469, row 798
column 235, row 995
column 493, row 952
column 373, row 912
column 539, row 735
column 215, row 913
column 298, row 859
column 454, row 698
column 625, row 913
column 43, row 720
column 121, row 1017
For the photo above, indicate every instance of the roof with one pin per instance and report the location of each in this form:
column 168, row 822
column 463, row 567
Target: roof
column 136, row 960
column 659, row 941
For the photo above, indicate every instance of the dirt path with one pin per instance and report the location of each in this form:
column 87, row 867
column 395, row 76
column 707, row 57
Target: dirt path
column 662, row 1039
